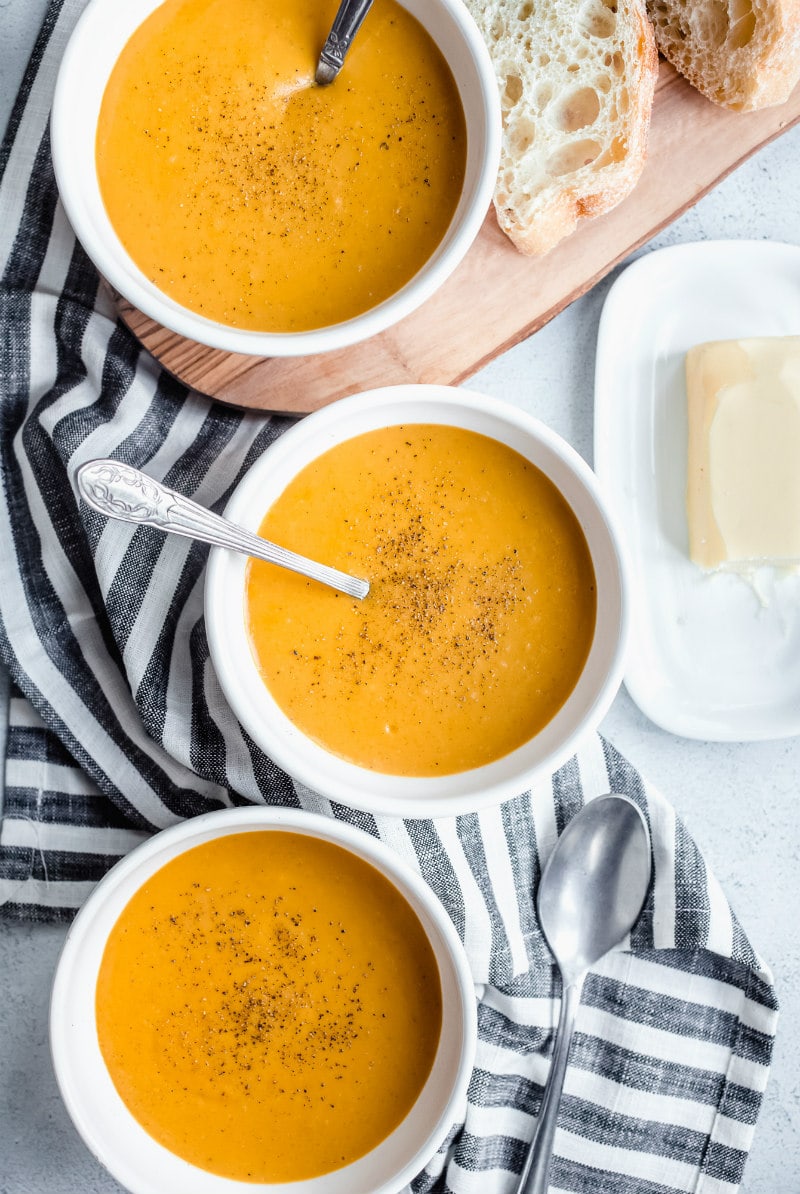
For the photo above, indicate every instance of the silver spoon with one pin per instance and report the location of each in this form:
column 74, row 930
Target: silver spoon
column 346, row 25
column 591, row 894
column 119, row 491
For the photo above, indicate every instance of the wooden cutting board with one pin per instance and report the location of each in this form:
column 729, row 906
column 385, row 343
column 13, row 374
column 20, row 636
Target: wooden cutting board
column 496, row 297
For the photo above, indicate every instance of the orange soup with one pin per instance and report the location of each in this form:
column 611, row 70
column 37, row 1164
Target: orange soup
column 268, row 1006
column 480, row 614
column 256, row 198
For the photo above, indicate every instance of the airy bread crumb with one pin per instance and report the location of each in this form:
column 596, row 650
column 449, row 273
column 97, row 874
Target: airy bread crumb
column 576, row 81
column 742, row 54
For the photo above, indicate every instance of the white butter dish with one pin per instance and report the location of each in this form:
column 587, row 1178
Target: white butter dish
column 713, row 655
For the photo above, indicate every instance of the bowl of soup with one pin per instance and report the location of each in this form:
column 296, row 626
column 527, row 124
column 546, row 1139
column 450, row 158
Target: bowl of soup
column 492, row 638
column 224, row 193
column 263, row 999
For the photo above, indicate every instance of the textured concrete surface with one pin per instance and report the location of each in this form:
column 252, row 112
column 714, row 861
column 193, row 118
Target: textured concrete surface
column 738, row 800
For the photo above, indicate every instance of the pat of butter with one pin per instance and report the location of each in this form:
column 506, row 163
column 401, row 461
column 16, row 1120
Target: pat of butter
column 743, row 494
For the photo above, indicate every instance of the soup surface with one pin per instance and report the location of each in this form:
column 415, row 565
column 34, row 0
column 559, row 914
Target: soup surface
column 481, row 608
column 256, row 198
column 268, row 1006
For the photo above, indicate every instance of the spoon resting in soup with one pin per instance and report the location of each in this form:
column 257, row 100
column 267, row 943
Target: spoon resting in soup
column 481, row 611
column 253, row 197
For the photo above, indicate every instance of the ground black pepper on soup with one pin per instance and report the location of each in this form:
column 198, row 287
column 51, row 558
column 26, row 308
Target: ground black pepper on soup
column 268, row 1006
column 255, row 197
column 481, row 610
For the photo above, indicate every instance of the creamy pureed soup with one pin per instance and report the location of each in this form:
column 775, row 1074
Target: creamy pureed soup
column 256, row 198
column 268, row 1006
column 481, row 610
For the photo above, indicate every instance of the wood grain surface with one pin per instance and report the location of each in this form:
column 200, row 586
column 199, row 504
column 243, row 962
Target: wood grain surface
column 496, row 297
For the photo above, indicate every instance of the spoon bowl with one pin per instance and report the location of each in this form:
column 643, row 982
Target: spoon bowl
column 591, row 894
column 594, row 884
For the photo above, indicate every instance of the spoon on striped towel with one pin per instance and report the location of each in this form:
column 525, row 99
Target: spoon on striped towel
column 120, row 491
column 591, row 894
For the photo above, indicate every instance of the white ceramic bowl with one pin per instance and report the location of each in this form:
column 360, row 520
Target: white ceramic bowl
column 127, row 1151
column 96, row 43
column 401, row 795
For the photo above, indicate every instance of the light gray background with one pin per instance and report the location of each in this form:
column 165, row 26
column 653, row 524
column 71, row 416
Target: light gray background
column 739, row 801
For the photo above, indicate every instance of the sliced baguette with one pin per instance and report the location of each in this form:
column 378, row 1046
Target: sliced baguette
column 576, row 81
column 743, row 54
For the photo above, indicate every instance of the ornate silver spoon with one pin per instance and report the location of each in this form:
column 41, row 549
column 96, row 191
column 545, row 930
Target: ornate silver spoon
column 346, row 25
column 122, row 492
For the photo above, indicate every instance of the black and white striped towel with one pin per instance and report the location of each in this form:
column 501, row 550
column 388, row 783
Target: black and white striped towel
column 118, row 727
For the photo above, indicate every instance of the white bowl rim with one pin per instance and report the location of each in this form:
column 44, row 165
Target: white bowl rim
column 462, row 792
column 169, row 843
column 121, row 273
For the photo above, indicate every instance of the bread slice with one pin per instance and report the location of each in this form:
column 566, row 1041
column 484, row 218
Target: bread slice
column 576, row 82
column 743, row 54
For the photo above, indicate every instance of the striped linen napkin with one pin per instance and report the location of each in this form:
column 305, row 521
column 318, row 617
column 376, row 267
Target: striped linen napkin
column 117, row 728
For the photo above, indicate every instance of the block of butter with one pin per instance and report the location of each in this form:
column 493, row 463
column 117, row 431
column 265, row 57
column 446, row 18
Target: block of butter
column 743, row 493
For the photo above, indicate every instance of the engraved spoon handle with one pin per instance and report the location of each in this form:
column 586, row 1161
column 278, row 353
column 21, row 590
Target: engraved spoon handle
column 122, row 492
column 346, row 25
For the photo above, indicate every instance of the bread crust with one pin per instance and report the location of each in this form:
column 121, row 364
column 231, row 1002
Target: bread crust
column 742, row 54
column 599, row 62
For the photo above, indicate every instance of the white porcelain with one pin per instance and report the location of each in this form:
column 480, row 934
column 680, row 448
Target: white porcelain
column 96, row 43
column 127, row 1151
column 311, row 763
column 712, row 655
